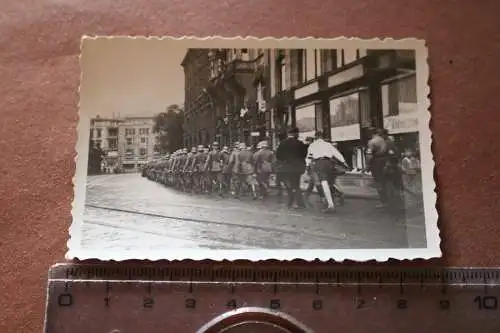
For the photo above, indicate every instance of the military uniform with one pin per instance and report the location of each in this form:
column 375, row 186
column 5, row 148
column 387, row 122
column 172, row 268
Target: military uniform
column 263, row 159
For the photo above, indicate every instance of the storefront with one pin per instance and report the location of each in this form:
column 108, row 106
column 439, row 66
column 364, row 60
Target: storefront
column 374, row 91
column 345, row 129
column 400, row 110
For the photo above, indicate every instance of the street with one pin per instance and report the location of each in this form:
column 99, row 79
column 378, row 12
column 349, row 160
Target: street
column 127, row 211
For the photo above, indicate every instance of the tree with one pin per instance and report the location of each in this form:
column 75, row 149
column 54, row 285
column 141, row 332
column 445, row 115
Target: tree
column 169, row 125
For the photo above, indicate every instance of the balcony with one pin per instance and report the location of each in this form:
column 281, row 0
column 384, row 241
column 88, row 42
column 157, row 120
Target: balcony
column 223, row 70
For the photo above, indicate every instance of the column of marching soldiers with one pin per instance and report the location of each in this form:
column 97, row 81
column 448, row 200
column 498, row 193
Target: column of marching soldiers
column 243, row 170
column 235, row 171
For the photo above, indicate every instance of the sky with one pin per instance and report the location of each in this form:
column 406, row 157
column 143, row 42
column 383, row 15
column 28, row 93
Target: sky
column 130, row 77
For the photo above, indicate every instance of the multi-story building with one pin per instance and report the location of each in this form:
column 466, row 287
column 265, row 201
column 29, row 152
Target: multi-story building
column 345, row 92
column 127, row 142
column 224, row 95
column 199, row 118
column 104, row 134
column 253, row 94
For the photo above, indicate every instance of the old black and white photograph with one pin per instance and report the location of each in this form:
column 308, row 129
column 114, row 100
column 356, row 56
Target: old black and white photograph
column 246, row 148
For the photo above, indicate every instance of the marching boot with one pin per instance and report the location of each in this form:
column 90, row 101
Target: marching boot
column 328, row 196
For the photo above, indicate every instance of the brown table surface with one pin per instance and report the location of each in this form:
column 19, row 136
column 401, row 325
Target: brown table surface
column 39, row 73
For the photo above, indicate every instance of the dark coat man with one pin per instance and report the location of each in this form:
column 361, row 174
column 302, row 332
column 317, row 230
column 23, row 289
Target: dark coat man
column 292, row 154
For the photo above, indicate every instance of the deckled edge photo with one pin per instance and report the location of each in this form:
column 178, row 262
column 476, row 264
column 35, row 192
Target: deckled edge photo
column 433, row 250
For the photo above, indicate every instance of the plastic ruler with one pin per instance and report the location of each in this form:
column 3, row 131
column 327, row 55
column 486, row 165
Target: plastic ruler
column 267, row 298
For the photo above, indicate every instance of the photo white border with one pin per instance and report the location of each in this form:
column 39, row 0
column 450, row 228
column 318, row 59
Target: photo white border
column 433, row 250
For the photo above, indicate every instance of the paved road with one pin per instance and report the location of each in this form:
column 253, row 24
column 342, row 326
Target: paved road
column 127, row 211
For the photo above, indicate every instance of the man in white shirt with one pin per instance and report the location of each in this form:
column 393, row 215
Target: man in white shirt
column 322, row 155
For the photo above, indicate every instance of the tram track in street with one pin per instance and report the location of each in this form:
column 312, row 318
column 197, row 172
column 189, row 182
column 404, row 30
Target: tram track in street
column 268, row 229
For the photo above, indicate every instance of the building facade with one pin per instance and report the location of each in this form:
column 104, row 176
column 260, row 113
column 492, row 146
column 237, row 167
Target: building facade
column 127, row 142
column 254, row 94
column 225, row 96
column 344, row 93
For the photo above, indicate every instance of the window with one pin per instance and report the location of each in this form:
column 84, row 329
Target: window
column 98, row 132
column 157, row 139
column 143, row 131
column 97, row 143
column 112, row 131
column 349, row 55
column 129, row 154
column 344, row 110
column 156, row 150
column 310, row 64
column 130, row 141
column 130, row 131
column 143, row 151
column 328, row 59
column 113, row 144
column 297, row 66
column 281, row 71
column 399, row 96
column 144, row 139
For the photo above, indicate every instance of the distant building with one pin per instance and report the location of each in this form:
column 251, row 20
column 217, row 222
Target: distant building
column 127, row 142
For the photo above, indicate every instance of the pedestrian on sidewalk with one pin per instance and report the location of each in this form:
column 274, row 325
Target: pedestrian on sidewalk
column 292, row 154
column 410, row 167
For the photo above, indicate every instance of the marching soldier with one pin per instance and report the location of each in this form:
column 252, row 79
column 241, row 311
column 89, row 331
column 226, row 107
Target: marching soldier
column 182, row 163
column 189, row 167
column 213, row 166
column 246, row 170
column 200, row 172
column 264, row 160
column 232, row 169
column 226, row 175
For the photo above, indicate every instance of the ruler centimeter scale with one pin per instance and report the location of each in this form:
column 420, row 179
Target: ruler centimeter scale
column 213, row 298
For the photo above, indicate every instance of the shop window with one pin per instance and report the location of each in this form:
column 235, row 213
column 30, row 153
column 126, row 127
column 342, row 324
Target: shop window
column 364, row 105
column 318, row 110
column 305, row 120
column 344, row 110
